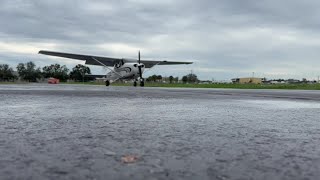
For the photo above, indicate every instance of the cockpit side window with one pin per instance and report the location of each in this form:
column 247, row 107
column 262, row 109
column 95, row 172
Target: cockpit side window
column 119, row 64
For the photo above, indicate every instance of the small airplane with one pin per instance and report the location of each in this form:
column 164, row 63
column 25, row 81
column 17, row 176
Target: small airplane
column 122, row 68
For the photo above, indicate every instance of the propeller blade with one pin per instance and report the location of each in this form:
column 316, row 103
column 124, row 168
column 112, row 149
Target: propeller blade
column 140, row 71
column 139, row 57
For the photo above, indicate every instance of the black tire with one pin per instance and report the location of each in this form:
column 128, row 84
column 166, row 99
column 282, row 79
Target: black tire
column 107, row 83
column 135, row 83
column 142, row 83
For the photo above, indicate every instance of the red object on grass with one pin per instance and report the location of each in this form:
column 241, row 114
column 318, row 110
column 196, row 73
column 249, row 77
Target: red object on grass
column 53, row 81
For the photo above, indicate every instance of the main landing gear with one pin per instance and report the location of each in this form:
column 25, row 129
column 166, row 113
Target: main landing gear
column 107, row 83
column 141, row 82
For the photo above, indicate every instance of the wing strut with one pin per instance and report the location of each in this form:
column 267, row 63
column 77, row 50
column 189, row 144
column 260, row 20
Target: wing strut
column 106, row 67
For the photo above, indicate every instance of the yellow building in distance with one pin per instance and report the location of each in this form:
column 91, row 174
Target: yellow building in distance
column 248, row 80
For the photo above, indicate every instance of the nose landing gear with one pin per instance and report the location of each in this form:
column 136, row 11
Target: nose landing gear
column 141, row 82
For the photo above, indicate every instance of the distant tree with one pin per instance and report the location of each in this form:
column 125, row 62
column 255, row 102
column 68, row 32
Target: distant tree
column 149, row 79
column 304, row 80
column 159, row 78
column 29, row 72
column 6, row 73
column 56, row 71
column 79, row 71
column 190, row 78
column 176, row 79
column 21, row 70
column 185, row 79
column 171, row 79
column 152, row 78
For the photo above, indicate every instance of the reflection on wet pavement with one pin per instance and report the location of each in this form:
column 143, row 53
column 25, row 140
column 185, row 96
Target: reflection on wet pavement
column 83, row 132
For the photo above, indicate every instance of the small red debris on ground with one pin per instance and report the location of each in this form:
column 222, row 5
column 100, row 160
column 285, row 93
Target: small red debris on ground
column 129, row 159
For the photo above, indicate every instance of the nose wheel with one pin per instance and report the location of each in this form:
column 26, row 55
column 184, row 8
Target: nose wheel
column 142, row 82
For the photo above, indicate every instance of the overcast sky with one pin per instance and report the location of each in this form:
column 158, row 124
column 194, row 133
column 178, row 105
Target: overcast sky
column 224, row 38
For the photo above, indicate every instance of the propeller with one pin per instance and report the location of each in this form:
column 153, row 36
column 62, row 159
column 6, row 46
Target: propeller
column 139, row 57
column 139, row 66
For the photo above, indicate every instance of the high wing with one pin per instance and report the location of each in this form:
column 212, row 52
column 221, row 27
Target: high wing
column 150, row 64
column 90, row 60
column 107, row 61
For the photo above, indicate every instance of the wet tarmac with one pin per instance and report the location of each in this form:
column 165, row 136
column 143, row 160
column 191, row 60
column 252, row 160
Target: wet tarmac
column 82, row 132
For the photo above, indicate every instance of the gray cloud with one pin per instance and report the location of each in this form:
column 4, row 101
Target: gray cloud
column 226, row 39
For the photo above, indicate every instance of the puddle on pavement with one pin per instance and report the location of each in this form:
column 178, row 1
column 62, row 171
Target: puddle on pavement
column 282, row 104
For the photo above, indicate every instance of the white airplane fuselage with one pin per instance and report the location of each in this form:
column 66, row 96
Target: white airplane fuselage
column 125, row 71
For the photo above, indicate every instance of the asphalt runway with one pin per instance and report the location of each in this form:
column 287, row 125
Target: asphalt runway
column 82, row 132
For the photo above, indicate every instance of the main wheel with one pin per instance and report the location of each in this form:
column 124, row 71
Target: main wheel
column 141, row 83
column 107, row 83
column 135, row 83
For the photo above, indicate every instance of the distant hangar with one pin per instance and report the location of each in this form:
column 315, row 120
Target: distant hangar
column 248, row 80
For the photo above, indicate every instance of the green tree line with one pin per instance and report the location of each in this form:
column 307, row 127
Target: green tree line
column 190, row 78
column 6, row 73
column 31, row 73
